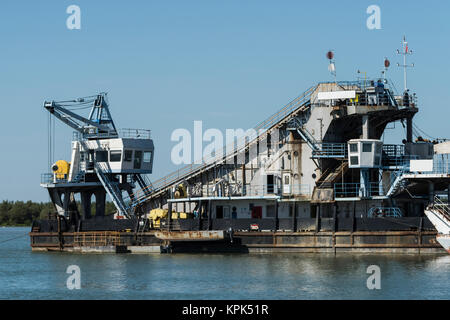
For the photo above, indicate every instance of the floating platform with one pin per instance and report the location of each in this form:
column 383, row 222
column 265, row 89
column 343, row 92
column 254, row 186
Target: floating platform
column 417, row 242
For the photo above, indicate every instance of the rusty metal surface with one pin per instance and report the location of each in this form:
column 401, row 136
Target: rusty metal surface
column 266, row 240
column 190, row 235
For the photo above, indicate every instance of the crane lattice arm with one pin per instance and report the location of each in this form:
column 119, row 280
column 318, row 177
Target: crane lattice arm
column 99, row 124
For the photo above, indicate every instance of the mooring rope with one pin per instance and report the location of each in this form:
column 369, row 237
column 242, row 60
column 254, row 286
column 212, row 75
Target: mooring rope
column 3, row 241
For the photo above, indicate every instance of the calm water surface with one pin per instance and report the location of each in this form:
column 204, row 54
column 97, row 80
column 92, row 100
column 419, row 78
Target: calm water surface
column 31, row 275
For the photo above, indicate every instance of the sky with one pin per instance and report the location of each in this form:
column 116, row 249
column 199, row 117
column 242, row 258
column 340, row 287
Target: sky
column 230, row 64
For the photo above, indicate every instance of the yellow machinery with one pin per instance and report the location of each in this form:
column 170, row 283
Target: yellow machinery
column 156, row 215
column 180, row 191
column 61, row 169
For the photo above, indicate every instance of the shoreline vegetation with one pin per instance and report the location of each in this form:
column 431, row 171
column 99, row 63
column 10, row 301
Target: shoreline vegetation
column 21, row 213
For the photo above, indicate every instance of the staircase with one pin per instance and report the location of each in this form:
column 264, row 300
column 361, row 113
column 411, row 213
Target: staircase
column 332, row 176
column 324, row 191
column 397, row 184
column 104, row 173
column 145, row 184
column 142, row 227
column 79, row 177
column 298, row 125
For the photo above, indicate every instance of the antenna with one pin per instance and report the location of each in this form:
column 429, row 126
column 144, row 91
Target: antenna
column 405, row 52
column 365, row 77
column 387, row 64
column 331, row 66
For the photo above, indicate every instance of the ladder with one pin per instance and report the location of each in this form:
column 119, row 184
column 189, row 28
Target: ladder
column 104, row 173
column 330, row 177
column 142, row 227
column 397, row 184
column 112, row 188
column 145, row 184
column 79, row 177
column 297, row 124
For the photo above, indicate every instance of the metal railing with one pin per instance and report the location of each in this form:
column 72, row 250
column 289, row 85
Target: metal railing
column 302, row 189
column 354, row 189
column 442, row 207
column 441, row 164
column 268, row 189
column 97, row 239
column 400, row 163
column 129, row 133
column 346, row 190
column 52, row 178
column 135, row 133
column 393, row 150
column 384, row 96
column 377, row 212
column 47, row 178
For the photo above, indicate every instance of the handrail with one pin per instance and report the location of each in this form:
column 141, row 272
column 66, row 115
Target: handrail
column 331, row 150
column 442, row 207
column 354, row 189
column 385, row 212
column 111, row 188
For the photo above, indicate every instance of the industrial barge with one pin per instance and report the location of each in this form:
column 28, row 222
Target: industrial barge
column 316, row 177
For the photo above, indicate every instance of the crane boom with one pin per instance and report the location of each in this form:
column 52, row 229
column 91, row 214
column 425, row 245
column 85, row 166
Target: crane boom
column 99, row 124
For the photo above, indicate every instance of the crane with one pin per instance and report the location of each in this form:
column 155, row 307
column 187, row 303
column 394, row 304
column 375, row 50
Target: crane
column 99, row 124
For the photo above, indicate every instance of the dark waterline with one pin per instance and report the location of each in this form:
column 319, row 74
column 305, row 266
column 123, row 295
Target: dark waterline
column 32, row 275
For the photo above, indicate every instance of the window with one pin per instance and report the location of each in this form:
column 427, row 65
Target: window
column 379, row 148
column 115, row 156
column 147, row 156
column 137, row 159
column 127, row 155
column 101, row 156
column 354, row 161
column 286, row 179
column 226, row 212
column 367, row 147
column 219, row 212
column 270, row 211
column 270, row 183
column 353, row 147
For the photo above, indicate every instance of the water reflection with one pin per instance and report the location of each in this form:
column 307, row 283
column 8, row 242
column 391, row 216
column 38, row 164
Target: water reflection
column 24, row 274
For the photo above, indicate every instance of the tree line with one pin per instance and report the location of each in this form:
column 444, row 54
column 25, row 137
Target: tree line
column 20, row 213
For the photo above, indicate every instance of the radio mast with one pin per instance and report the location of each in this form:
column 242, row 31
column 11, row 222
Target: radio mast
column 405, row 51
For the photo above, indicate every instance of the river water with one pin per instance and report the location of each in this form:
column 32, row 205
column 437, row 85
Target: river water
column 35, row 275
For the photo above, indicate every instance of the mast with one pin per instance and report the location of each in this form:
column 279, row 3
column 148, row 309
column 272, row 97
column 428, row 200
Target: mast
column 405, row 51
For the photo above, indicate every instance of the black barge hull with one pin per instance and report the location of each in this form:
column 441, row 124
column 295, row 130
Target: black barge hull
column 359, row 235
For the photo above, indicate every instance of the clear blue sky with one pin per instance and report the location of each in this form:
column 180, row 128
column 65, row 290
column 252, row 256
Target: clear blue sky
column 167, row 63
